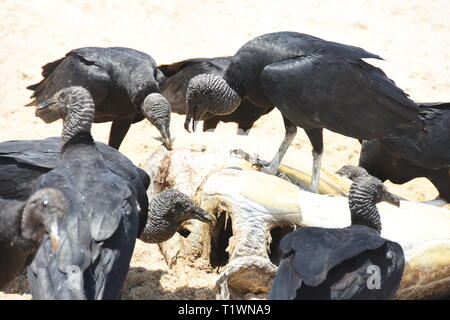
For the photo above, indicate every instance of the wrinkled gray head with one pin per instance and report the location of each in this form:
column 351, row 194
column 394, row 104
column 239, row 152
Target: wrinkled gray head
column 209, row 93
column 156, row 109
column 75, row 106
column 352, row 172
column 43, row 213
column 167, row 211
column 365, row 192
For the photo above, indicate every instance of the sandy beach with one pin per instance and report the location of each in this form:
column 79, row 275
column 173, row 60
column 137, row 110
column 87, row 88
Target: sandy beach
column 412, row 36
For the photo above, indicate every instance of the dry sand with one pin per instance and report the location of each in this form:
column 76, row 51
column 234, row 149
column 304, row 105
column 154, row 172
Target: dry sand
column 412, row 36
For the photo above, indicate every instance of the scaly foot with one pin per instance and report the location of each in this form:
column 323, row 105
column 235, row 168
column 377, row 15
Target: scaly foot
column 255, row 160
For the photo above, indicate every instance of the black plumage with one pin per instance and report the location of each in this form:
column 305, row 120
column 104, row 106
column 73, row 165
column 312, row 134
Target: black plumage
column 102, row 222
column 124, row 84
column 410, row 153
column 315, row 84
column 23, row 225
column 177, row 79
column 22, row 162
column 100, row 227
column 348, row 263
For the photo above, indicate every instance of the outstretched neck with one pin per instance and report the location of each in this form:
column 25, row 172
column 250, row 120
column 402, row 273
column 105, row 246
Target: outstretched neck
column 363, row 208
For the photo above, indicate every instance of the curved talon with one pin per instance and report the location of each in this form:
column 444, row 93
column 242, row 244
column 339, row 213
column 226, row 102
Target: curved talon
column 256, row 165
column 262, row 163
column 241, row 153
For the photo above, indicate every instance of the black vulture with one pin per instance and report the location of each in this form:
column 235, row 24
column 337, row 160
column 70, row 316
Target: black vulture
column 315, row 84
column 410, row 153
column 382, row 164
column 23, row 225
column 167, row 211
column 124, row 84
column 22, row 162
column 101, row 225
column 347, row 263
column 177, row 79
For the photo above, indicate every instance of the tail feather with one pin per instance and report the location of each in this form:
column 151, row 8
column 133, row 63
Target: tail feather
column 47, row 70
column 170, row 69
column 49, row 67
column 34, row 86
column 31, row 104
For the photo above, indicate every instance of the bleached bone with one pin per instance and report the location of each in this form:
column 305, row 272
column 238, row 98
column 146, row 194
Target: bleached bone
column 256, row 203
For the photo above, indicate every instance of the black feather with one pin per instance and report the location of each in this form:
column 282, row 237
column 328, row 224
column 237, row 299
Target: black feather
column 407, row 154
column 118, row 80
column 23, row 162
column 99, row 231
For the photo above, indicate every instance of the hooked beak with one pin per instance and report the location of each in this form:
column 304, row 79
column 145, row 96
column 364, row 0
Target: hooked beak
column 167, row 142
column 391, row 198
column 187, row 122
column 54, row 242
column 194, row 114
column 203, row 215
column 54, row 234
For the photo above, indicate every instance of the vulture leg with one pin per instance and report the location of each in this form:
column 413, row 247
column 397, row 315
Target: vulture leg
column 289, row 135
column 119, row 129
column 316, row 137
column 272, row 166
